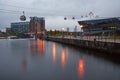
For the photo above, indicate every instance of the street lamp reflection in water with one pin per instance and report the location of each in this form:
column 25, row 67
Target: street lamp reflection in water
column 81, row 68
column 63, row 58
column 41, row 45
column 54, row 52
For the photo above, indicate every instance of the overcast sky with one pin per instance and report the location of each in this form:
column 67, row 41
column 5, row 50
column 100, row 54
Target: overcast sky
column 54, row 11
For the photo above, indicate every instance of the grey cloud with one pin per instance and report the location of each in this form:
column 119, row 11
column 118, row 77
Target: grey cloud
column 78, row 7
column 69, row 8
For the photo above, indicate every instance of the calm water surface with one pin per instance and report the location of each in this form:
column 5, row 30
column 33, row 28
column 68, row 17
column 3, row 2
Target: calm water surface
column 28, row 59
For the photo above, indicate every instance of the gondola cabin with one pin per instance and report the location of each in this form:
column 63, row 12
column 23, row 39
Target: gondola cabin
column 23, row 17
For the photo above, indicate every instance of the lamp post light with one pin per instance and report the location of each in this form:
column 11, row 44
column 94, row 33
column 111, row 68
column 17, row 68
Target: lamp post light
column 81, row 27
column 75, row 30
column 102, row 37
column 70, row 35
column 63, row 29
column 114, row 30
column 36, row 35
column 67, row 31
column 114, row 34
column 53, row 32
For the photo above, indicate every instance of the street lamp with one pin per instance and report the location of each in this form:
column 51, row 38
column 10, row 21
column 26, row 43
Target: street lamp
column 36, row 31
column 67, row 31
column 63, row 29
column 65, row 18
column 81, row 27
column 75, row 30
column 114, row 34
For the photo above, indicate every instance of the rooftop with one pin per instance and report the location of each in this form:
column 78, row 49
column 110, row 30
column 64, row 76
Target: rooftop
column 99, row 20
column 37, row 18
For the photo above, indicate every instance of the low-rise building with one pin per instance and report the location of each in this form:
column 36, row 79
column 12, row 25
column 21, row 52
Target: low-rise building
column 8, row 30
column 104, row 26
column 19, row 27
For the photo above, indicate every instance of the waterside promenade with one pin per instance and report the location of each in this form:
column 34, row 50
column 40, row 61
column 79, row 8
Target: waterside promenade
column 111, row 46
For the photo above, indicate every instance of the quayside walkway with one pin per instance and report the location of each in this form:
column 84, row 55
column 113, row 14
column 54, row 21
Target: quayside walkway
column 93, row 43
column 101, row 39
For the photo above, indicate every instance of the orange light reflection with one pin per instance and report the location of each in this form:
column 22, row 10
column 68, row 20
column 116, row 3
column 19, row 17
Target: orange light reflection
column 54, row 52
column 63, row 58
column 41, row 45
column 81, row 68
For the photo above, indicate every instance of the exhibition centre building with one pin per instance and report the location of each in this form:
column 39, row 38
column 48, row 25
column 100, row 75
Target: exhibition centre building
column 104, row 26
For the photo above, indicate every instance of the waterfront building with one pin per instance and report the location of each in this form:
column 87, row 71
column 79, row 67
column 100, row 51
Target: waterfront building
column 19, row 27
column 8, row 30
column 37, row 25
column 104, row 26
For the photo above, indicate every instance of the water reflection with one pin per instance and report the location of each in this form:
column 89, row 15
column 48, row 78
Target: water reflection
column 23, row 67
column 68, row 65
column 32, row 46
column 63, row 57
column 41, row 45
column 29, row 45
column 38, row 45
column 81, row 68
column 54, row 52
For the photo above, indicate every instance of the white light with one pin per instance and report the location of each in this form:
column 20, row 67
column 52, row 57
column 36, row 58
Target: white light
column 63, row 29
column 81, row 26
column 53, row 29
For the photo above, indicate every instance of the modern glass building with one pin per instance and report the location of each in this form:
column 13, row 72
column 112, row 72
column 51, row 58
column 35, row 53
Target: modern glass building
column 20, row 27
column 106, row 26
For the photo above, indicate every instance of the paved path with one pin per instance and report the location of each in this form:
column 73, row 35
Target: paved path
column 90, row 38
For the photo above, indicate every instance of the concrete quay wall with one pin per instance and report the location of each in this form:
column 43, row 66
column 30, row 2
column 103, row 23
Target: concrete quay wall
column 107, row 47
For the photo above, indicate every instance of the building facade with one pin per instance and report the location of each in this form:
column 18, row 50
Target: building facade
column 104, row 27
column 8, row 30
column 37, row 25
column 20, row 27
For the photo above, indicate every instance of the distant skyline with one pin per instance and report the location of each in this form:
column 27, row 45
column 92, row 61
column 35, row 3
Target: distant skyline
column 54, row 11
